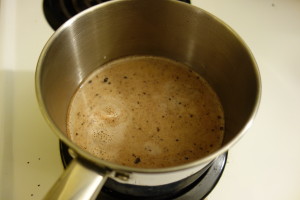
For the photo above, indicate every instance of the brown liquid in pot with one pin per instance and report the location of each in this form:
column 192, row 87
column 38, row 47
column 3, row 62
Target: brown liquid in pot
column 147, row 112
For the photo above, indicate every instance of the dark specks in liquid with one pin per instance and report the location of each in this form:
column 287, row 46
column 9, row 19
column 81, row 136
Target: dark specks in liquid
column 162, row 104
column 137, row 160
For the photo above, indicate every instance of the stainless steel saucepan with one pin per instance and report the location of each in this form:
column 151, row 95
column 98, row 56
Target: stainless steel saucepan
column 121, row 28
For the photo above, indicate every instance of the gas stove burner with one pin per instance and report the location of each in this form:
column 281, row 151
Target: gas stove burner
column 59, row 11
column 200, row 184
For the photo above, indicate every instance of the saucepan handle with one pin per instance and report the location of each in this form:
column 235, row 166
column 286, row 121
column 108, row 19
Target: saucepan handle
column 78, row 181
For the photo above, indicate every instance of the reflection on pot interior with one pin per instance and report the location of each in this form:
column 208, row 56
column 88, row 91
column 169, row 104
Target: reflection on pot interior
column 146, row 111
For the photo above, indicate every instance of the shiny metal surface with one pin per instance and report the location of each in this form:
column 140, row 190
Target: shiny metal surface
column 78, row 182
column 149, row 27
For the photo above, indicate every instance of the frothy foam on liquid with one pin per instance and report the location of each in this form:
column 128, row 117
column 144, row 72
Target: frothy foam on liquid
column 145, row 111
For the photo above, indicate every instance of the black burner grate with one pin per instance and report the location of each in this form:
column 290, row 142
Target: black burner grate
column 59, row 11
column 197, row 190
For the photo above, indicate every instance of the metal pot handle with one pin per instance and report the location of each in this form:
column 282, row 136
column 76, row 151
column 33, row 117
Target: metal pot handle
column 77, row 182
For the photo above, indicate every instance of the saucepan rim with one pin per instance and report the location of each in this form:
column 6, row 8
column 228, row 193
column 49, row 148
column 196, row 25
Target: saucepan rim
column 116, row 167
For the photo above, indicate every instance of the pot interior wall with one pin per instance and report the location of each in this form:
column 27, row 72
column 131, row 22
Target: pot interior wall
column 162, row 28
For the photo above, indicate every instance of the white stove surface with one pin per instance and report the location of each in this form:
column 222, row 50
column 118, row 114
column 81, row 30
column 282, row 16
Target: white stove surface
column 263, row 165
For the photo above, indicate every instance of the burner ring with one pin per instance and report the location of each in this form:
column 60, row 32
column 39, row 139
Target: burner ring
column 197, row 190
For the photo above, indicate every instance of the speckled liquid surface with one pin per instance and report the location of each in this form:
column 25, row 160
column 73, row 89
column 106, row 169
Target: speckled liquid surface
column 147, row 112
